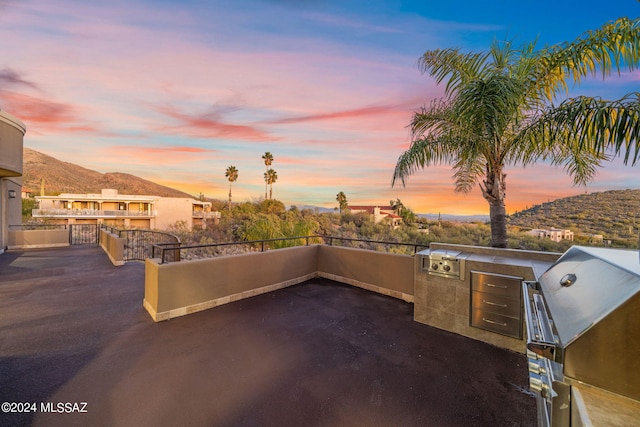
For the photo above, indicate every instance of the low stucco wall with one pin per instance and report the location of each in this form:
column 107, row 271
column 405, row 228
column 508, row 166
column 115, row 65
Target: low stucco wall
column 176, row 289
column 382, row 272
column 113, row 247
column 24, row 239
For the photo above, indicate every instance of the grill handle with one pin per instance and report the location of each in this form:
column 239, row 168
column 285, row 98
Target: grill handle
column 540, row 338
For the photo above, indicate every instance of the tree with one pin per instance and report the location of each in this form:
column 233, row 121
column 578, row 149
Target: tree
column 268, row 159
column 397, row 206
column 500, row 108
column 232, row 176
column 270, row 177
column 342, row 201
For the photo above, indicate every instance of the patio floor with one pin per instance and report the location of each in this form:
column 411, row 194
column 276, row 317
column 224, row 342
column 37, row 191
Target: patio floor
column 73, row 330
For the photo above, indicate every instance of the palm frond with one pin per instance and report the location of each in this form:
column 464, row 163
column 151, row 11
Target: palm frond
column 458, row 67
column 467, row 172
column 422, row 152
column 487, row 106
column 614, row 46
column 584, row 130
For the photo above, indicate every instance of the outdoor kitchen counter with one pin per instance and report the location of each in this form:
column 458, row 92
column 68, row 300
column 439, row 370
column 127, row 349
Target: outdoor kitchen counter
column 445, row 302
column 538, row 266
column 604, row 408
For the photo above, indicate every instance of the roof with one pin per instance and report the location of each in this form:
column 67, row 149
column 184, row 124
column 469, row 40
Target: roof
column 318, row 353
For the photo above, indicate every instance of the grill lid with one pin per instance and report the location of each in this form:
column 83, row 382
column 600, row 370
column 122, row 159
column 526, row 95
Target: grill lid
column 585, row 285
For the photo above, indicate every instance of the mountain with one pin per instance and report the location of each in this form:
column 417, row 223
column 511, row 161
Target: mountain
column 63, row 177
column 614, row 214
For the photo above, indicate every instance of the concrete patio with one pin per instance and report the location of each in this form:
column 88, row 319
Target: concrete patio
column 73, row 330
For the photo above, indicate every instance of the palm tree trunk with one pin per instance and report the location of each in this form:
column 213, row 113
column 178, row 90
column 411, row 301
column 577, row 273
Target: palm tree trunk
column 498, row 217
column 494, row 191
column 229, row 197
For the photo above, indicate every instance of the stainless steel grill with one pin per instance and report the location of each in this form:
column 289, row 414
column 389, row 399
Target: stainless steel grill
column 583, row 326
column 444, row 263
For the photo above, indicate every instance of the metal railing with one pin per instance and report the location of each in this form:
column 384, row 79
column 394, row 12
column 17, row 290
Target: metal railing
column 206, row 215
column 139, row 244
column 172, row 252
column 88, row 213
column 84, row 234
column 38, row 227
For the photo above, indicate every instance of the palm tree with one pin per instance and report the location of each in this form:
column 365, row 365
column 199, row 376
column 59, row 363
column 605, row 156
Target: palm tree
column 342, row 201
column 270, row 176
column 499, row 110
column 232, row 175
column 268, row 159
column 397, row 206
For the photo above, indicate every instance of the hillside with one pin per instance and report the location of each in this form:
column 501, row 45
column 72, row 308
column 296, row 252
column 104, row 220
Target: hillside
column 63, row 177
column 614, row 214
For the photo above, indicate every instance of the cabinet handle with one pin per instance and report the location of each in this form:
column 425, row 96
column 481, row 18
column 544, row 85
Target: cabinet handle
column 491, row 285
column 494, row 303
column 494, row 322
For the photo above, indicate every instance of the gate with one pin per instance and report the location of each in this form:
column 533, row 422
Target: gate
column 84, row 234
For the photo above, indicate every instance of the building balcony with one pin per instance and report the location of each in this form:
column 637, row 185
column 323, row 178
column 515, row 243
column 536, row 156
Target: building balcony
column 206, row 215
column 12, row 131
column 90, row 213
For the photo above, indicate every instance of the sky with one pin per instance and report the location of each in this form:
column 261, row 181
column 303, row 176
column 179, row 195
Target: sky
column 177, row 91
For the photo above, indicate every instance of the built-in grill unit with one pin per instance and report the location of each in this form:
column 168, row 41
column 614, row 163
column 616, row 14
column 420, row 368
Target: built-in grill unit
column 583, row 327
column 444, row 263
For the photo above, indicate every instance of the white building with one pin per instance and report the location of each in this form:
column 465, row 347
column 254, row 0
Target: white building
column 124, row 211
column 379, row 213
column 555, row 234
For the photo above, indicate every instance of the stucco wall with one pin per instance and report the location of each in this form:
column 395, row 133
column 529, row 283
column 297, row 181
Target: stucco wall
column 12, row 133
column 113, row 247
column 171, row 210
column 180, row 288
column 382, row 272
column 22, row 239
column 176, row 289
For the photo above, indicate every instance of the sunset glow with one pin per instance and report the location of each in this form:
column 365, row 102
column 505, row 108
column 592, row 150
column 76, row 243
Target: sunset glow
column 176, row 91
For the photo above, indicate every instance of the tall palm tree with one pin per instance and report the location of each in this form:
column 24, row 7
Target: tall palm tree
column 268, row 159
column 500, row 109
column 270, row 177
column 232, row 176
column 342, row 201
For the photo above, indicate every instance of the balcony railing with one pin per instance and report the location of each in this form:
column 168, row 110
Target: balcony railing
column 206, row 215
column 88, row 213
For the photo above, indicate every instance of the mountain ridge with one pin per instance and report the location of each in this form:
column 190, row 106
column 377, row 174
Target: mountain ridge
column 612, row 213
column 64, row 177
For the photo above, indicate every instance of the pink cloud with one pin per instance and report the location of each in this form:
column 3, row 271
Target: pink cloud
column 209, row 125
column 344, row 114
column 10, row 77
column 158, row 155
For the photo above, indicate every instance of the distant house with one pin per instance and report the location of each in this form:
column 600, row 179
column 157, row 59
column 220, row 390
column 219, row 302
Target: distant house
column 555, row 234
column 26, row 193
column 379, row 213
column 123, row 210
column 594, row 238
